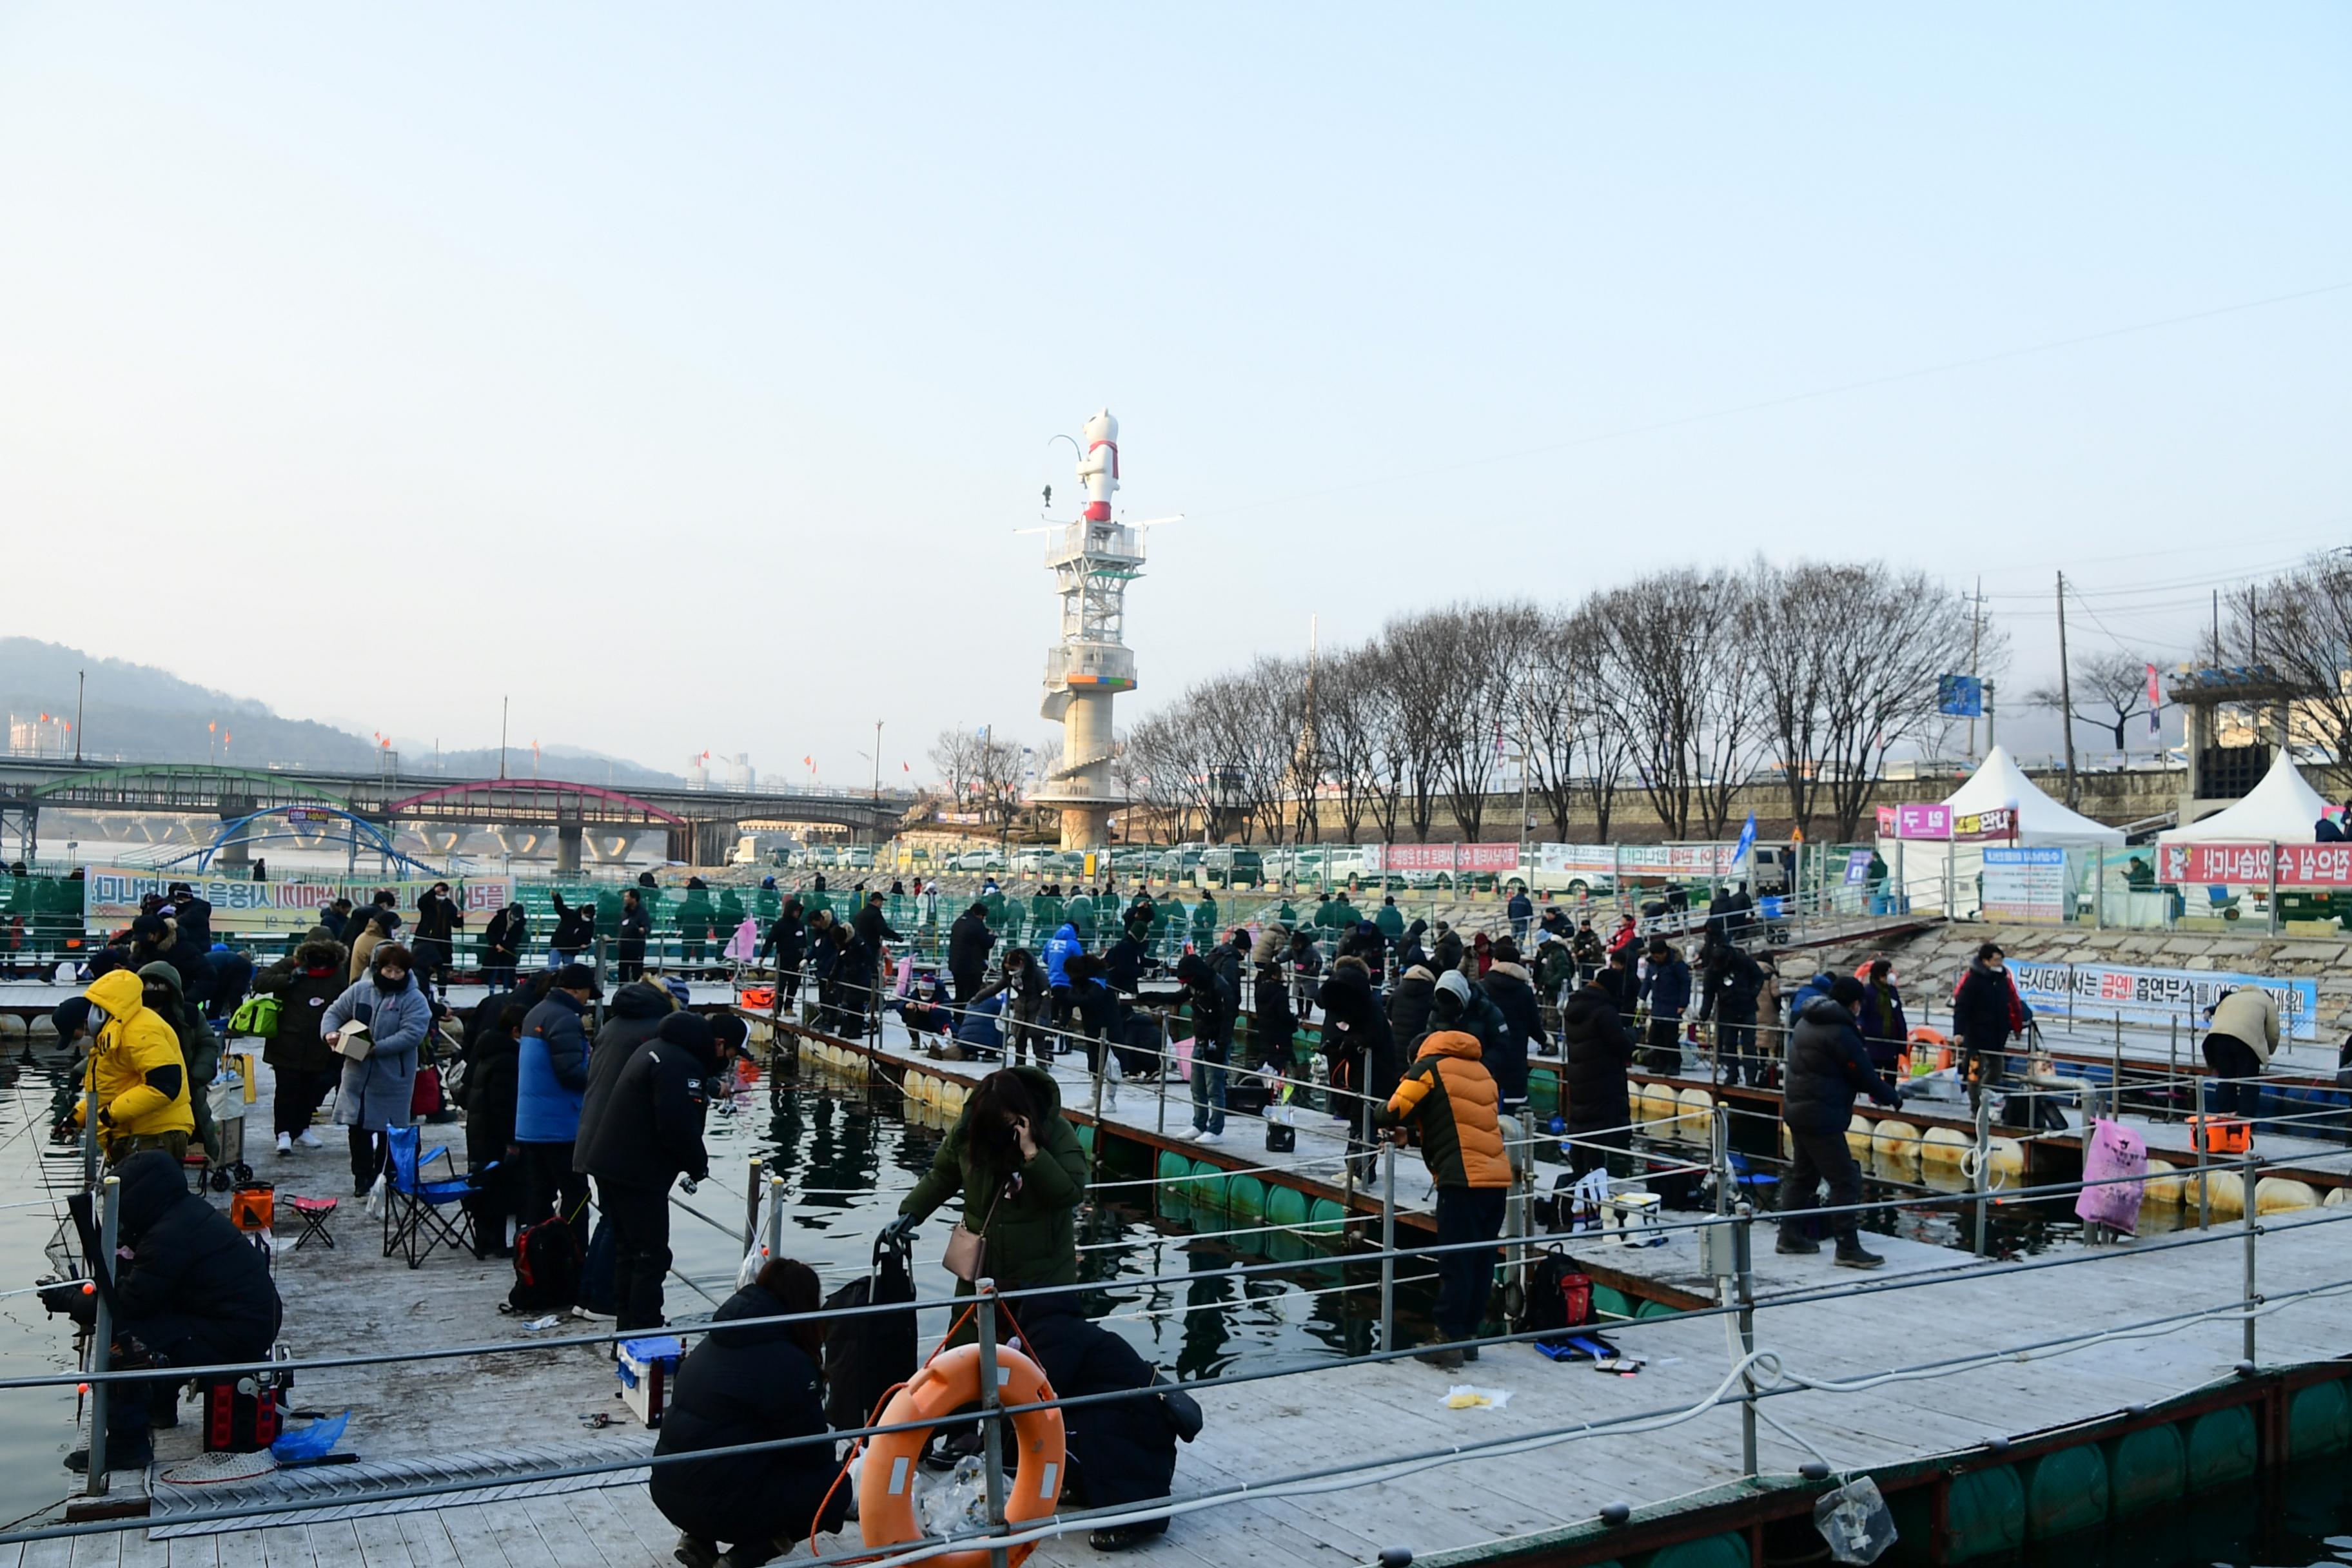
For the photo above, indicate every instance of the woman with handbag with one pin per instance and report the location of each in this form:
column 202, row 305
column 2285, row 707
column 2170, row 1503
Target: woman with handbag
column 1017, row 1162
column 379, row 1062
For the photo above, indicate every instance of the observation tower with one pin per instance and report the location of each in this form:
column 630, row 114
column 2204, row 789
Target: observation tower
column 1093, row 560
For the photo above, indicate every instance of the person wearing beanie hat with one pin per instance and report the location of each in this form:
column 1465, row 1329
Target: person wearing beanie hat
column 551, row 1079
column 631, row 1022
column 649, row 1135
column 1827, row 1065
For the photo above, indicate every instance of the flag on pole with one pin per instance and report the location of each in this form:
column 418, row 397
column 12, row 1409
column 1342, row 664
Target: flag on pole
column 1747, row 842
column 2155, row 703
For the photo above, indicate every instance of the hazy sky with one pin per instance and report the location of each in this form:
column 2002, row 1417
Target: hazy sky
column 685, row 372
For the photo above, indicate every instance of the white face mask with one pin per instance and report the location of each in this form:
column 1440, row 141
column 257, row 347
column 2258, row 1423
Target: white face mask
column 99, row 1018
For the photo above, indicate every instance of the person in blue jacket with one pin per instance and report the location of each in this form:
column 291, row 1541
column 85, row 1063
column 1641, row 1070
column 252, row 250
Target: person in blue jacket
column 1667, row 989
column 551, row 1079
column 1060, row 948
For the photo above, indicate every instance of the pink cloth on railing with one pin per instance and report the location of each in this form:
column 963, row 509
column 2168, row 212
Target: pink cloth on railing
column 745, row 945
column 2119, row 1156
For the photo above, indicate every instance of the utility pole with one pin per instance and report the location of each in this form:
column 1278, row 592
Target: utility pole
column 77, row 686
column 877, row 761
column 502, row 737
column 1976, row 637
column 2066, row 700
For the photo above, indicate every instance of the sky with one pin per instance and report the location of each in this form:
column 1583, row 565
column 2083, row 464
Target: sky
column 684, row 375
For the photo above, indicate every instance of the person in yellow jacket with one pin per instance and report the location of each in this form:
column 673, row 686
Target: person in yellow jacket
column 136, row 1076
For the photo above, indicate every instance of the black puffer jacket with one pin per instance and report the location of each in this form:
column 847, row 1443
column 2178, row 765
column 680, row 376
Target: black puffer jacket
column 742, row 1386
column 1352, row 1022
column 194, row 1285
column 1121, row 1450
column 1828, row 1064
column 638, row 1011
column 488, row 1097
column 968, row 942
column 650, row 1129
column 1508, row 987
column 304, row 983
column 1981, row 1014
column 1599, row 1050
column 1409, row 1003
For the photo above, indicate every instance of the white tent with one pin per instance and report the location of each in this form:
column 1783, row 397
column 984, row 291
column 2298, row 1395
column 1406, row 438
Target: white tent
column 2282, row 809
column 1930, row 867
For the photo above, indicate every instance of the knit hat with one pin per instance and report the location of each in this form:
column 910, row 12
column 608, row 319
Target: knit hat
column 679, row 991
column 575, row 977
column 689, row 1030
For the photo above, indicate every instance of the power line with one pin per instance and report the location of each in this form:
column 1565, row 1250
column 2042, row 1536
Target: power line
column 1783, row 401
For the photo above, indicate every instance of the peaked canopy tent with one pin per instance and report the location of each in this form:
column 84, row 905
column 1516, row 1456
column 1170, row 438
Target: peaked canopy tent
column 2282, row 809
column 2042, row 823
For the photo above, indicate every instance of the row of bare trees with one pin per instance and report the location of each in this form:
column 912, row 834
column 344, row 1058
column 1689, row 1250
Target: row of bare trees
column 1680, row 687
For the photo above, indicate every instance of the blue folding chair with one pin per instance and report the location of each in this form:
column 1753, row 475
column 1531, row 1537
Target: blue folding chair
column 422, row 1212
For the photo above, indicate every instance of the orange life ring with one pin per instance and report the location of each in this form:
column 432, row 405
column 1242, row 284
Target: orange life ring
column 1928, row 1037
column 885, row 1477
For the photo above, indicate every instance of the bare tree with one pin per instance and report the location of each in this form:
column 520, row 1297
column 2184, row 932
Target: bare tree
column 2112, row 685
column 1674, row 655
column 2300, row 625
column 1347, row 744
column 1416, row 665
column 1575, row 752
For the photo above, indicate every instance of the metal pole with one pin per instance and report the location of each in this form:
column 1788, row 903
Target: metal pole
column 1388, row 1246
column 1158, row 1085
column 775, row 1217
column 102, row 1338
column 751, row 1203
column 1743, row 1241
column 2197, row 1140
column 1984, row 1155
column 2252, row 1297
column 2274, row 903
column 600, row 980
column 991, row 1433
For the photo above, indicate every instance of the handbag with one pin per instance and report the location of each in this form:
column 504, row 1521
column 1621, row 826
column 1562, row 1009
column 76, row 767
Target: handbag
column 967, row 1248
column 256, row 1016
column 425, row 1099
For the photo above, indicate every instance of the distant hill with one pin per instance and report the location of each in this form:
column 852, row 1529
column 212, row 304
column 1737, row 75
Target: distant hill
column 139, row 713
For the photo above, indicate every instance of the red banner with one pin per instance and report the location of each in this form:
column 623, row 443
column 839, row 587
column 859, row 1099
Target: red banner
column 2249, row 865
column 1482, row 857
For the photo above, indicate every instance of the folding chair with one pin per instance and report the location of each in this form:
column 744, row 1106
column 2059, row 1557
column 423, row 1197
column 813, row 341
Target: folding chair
column 315, row 1215
column 414, row 1222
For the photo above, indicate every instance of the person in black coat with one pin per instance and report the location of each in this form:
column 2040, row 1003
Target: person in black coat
column 502, row 945
column 649, row 1135
column 1361, row 1053
column 1828, row 1064
column 636, row 925
column 1447, row 953
column 1120, row 1451
column 756, row 1384
column 1409, row 1005
column 1410, row 951
column 1512, row 991
column 1598, row 1051
column 968, row 942
column 634, row 1018
column 492, row 1156
column 787, row 944
column 1985, row 1012
column 575, row 928
column 1365, row 942
column 193, row 1290
column 1730, row 995
column 1667, row 990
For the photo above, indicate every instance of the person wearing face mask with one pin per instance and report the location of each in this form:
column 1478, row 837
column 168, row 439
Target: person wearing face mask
column 374, row 1094
column 1018, row 1163
column 1985, row 1011
column 135, row 1076
column 200, row 1048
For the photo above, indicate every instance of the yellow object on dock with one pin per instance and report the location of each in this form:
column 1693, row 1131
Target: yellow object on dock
column 2163, row 1186
column 2284, row 1195
column 1895, row 1140
column 1944, row 1146
column 1696, row 1125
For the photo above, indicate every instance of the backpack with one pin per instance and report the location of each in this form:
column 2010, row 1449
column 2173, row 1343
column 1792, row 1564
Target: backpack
column 256, row 1016
column 547, row 1268
column 865, row 1357
column 1558, row 1297
column 597, row 1273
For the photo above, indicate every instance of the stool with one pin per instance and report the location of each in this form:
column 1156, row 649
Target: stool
column 315, row 1214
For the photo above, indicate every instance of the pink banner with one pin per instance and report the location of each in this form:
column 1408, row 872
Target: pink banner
column 2249, row 865
column 1488, row 857
column 1923, row 820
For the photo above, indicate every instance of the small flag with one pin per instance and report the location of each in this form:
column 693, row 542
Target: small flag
column 1746, row 841
column 2155, row 703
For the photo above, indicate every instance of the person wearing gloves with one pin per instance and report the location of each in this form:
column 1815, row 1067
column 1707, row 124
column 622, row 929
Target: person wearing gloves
column 376, row 1090
column 2238, row 1046
column 135, row 1075
column 649, row 1134
column 1828, row 1064
column 1449, row 1100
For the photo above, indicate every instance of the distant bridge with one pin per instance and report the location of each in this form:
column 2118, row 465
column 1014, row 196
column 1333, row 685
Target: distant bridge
column 701, row 826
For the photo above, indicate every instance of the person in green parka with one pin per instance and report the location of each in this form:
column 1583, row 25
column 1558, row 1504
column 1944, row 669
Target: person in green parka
column 1080, row 915
column 1204, row 922
column 1017, row 1162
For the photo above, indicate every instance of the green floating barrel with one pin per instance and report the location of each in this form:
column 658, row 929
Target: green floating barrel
column 1610, row 1302
column 1543, row 1092
column 1987, row 1513
column 1207, row 1187
column 2146, row 1469
column 1285, row 1205
column 1246, row 1194
column 2318, row 1420
column 1174, row 1171
column 2220, row 1448
column 1726, row 1551
column 2066, row 1491
column 1325, row 1217
column 1086, row 1137
column 1652, row 1310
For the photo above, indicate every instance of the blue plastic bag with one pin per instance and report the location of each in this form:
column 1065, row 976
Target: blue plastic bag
column 314, row 1441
